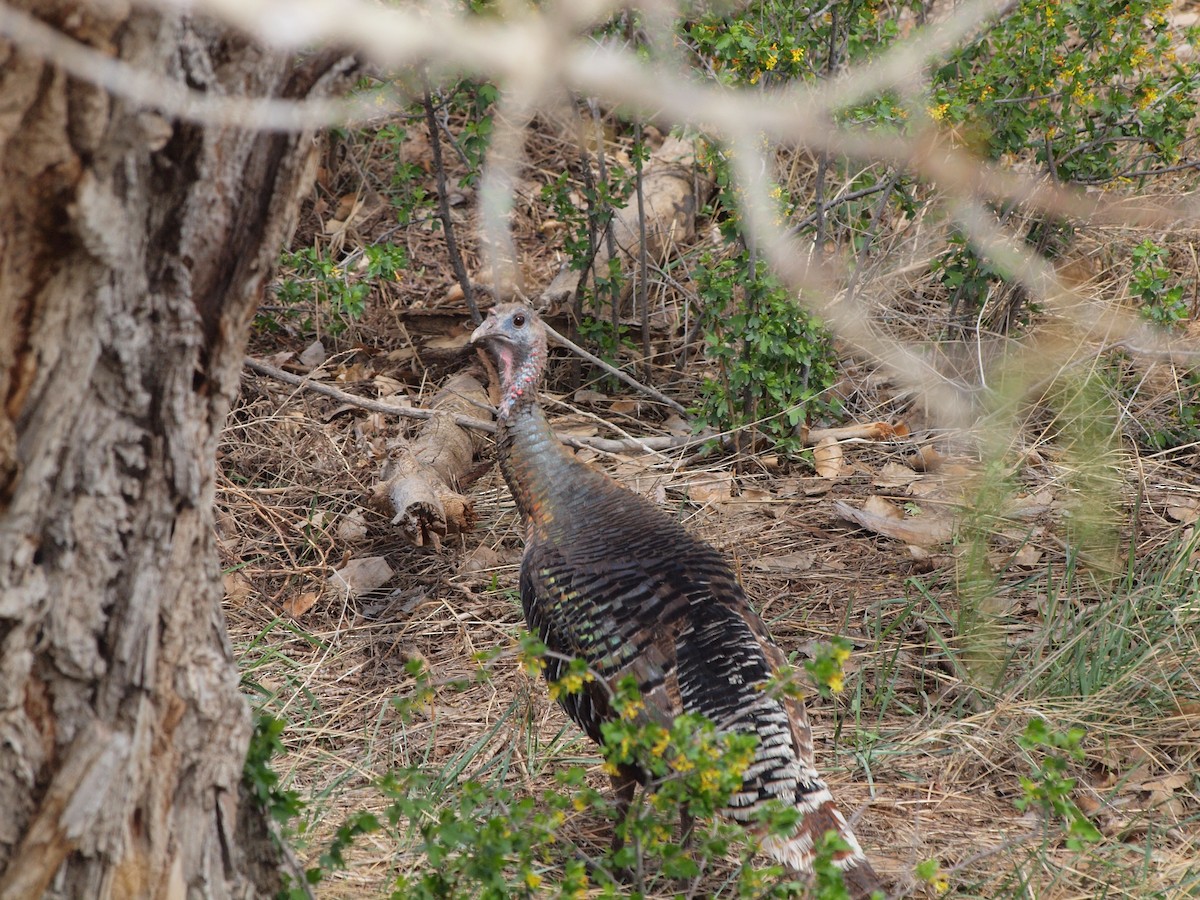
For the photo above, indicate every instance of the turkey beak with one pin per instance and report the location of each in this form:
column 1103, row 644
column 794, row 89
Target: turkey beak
column 484, row 329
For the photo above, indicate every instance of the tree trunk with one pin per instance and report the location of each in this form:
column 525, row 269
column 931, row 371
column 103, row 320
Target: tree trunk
column 133, row 250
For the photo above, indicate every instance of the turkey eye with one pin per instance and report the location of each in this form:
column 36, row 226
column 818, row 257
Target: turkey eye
column 519, row 320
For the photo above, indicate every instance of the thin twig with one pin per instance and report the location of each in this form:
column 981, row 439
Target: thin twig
column 823, row 162
column 643, row 293
column 615, row 372
column 589, row 192
column 388, row 409
column 154, row 90
column 456, row 261
column 837, row 201
column 872, row 232
column 609, row 214
column 654, row 444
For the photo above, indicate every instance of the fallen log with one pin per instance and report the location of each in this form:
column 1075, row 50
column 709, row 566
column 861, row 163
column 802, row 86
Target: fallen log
column 420, row 480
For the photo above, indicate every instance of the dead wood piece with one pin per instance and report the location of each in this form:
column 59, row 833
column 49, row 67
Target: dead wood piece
column 669, row 189
column 421, row 478
column 868, row 431
column 479, row 419
column 925, row 531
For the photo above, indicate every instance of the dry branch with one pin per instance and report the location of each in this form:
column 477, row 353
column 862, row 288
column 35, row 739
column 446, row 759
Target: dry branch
column 616, row 373
column 421, row 478
column 604, row 445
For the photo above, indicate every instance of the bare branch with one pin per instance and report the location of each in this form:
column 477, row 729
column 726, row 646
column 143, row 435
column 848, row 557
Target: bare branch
column 604, row 445
column 151, row 90
column 616, row 373
column 456, row 260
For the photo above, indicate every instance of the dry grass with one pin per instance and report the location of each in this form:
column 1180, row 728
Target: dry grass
column 927, row 759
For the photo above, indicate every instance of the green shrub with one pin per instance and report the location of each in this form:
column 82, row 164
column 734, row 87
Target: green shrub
column 1049, row 787
column 1091, row 89
column 484, row 839
column 320, row 295
column 1160, row 301
column 774, row 361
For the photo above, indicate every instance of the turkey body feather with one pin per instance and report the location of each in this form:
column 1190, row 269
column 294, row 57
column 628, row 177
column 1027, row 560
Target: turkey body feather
column 612, row 579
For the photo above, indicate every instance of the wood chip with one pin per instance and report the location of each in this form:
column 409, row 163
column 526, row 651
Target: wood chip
column 827, row 456
column 1183, row 510
column 314, row 355
column 352, row 527
column 879, row 506
column 788, row 564
column 300, row 604
column 894, row 475
column 927, row 459
column 359, row 576
column 677, row 425
column 711, row 488
column 866, row 431
column 481, row 559
column 923, row 531
column 237, row 588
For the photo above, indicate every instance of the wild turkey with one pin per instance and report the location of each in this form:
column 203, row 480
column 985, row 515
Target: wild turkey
column 608, row 577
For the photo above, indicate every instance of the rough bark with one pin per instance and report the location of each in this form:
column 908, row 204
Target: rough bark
column 133, row 249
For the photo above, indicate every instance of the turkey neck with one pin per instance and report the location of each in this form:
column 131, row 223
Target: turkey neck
column 538, row 468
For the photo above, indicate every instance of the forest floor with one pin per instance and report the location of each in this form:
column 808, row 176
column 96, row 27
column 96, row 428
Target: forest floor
column 920, row 748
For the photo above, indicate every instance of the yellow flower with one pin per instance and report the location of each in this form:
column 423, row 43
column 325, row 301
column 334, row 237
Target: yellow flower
column 772, row 61
column 1148, row 97
column 757, row 75
column 837, row 682
column 841, row 654
column 797, row 54
column 578, row 802
column 937, row 113
column 533, row 880
column 610, row 768
column 741, row 762
column 631, row 710
column 940, row 883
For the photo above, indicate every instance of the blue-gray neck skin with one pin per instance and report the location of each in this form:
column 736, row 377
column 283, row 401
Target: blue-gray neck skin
column 535, row 463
